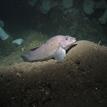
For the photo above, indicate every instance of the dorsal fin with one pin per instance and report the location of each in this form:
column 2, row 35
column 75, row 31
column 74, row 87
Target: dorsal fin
column 34, row 48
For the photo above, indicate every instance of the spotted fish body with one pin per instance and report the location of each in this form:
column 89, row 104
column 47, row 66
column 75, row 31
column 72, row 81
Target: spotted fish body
column 55, row 48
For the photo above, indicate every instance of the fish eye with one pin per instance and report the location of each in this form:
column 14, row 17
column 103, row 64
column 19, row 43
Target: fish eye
column 66, row 38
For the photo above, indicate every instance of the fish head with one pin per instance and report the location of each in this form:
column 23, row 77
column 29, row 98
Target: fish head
column 67, row 41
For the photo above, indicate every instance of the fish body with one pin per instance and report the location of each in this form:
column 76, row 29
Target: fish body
column 55, row 48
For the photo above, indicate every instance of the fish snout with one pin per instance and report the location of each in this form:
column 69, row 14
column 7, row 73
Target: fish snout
column 73, row 40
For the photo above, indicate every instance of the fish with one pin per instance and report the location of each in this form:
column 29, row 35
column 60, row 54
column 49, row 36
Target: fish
column 54, row 48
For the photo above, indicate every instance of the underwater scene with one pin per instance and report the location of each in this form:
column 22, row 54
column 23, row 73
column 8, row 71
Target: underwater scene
column 53, row 53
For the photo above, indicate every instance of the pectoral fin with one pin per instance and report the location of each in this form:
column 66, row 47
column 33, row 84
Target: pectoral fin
column 60, row 54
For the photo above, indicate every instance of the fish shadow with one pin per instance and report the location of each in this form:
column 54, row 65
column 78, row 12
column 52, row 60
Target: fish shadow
column 71, row 47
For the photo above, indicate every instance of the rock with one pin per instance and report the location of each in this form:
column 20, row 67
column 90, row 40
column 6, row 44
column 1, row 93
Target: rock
column 1, row 23
column 67, row 3
column 88, row 6
column 103, row 18
column 32, row 2
column 18, row 41
column 101, row 4
column 3, row 34
column 46, row 6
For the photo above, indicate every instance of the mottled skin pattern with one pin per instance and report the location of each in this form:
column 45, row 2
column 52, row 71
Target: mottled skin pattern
column 55, row 48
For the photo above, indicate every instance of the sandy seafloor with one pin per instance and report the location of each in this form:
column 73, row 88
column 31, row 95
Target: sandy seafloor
column 79, row 81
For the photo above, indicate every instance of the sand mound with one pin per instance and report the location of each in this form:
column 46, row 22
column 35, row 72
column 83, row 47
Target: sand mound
column 80, row 80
